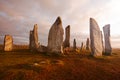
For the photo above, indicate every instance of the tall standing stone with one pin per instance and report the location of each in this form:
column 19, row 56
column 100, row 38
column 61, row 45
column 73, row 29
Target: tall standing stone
column 74, row 44
column 8, row 43
column 82, row 46
column 31, row 41
column 108, row 48
column 87, row 44
column 67, row 37
column 95, row 38
column 34, row 38
column 55, row 37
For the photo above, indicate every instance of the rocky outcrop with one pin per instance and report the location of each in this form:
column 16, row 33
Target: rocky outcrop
column 67, row 37
column 8, row 43
column 33, row 45
column 108, row 48
column 95, row 38
column 55, row 37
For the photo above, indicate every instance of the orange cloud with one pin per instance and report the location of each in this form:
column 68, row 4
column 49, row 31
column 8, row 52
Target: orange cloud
column 17, row 17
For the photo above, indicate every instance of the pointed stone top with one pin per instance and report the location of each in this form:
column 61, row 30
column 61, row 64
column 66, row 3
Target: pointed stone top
column 74, row 40
column 92, row 20
column 68, row 26
column 93, row 24
column 35, row 26
column 58, row 20
column 59, row 17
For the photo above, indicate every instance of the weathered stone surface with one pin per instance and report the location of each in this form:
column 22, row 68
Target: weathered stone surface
column 95, row 38
column 87, row 44
column 33, row 45
column 55, row 37
column 8, row 43
column 108, row 48
column 67, row 37
column 82, row 46
column 74, row 44
column 42, row 49
column 31, row 42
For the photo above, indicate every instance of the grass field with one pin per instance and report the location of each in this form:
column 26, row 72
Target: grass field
column 24, row 65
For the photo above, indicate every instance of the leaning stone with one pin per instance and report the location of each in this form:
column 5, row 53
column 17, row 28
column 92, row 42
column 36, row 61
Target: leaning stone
column 95, row 38
column 55, row 37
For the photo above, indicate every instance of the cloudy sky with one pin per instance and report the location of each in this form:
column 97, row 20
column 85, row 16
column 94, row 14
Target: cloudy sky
column 17, row 18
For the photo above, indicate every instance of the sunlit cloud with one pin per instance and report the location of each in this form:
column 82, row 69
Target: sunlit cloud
column 17, row 18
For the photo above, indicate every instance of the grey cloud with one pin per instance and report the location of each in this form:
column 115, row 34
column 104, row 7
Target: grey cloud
column 17, row 17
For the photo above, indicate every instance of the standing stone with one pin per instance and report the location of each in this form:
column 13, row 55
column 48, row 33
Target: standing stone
column 95, row 38
column 87, row 44
column 34, row 38
column 8, row 43
column 81, row 48
column 108, row 48
column 74, row 44
column 55, row 37
column 67, row 37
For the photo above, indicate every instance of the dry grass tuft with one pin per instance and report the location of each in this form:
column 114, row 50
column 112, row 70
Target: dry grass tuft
column 76, row 65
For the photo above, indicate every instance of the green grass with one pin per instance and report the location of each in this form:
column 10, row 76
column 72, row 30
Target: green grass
column 24, row 65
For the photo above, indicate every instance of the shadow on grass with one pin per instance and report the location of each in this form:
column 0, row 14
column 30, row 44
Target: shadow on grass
column 37, row 69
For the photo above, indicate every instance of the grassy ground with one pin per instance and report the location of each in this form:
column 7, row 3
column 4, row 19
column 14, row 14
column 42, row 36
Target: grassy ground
column 23, row 65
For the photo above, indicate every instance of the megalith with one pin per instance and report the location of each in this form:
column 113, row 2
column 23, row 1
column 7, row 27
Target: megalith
column 108, row 48
column 55, row 37
column 87, row 44
column 95, row 38
column 74, row 44
column 8, row 43
column 82, row 46
column 67, row 37
column 33, row 44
